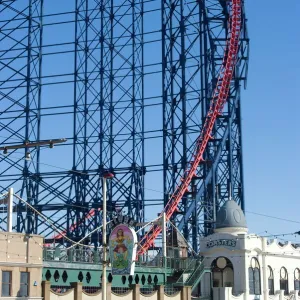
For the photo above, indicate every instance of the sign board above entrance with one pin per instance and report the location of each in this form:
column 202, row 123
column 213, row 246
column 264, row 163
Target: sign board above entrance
column 220, row 243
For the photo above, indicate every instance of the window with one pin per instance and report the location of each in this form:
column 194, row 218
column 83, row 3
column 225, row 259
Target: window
column 222, row 271
column 297, row 280
column 6, row 284
column 284, row 280
column 24, row 279
column 270, row 281
column 254, row 277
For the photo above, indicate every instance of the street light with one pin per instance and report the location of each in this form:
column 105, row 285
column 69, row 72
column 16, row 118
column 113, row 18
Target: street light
column 106, row 175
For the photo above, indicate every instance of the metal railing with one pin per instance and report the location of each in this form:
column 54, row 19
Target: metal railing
column 189, row 269
column 182, row 263
column 91, row 256
column 171, row 290
column 60, row 289
column 72, row 255
column 91, row 289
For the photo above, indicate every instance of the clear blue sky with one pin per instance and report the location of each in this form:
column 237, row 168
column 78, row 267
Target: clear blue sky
column 270, row 110
column 271, row 106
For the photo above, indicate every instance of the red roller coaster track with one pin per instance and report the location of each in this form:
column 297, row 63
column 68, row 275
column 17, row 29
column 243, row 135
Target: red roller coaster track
column 218, row 101
column 90, row 214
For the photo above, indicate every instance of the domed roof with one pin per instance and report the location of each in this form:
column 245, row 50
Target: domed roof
column 230, row 215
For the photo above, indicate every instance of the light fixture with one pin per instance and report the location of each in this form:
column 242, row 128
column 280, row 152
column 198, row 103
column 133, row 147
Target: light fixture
column 27, row 156
column 5, row 151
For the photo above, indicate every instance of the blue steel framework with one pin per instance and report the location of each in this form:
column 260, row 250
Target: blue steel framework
column 115, row 49
column 21, row 37
column 220, row 177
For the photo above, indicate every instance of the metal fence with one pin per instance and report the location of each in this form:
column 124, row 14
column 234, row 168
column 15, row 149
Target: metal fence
column 147, row 290
column 91, row 256
column 120, row 290
column 60, row 289
column 182, row 263
column 171, row 290
column 91, row 289
column 73, row 255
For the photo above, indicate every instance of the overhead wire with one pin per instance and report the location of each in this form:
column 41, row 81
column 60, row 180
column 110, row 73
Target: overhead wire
column 3, row 195
column 50, row 222
column 73, row 171
column 273, row 217
column 251, row 212
column 157, row 191
column 153, row 190
column 151, row 222
column 177, row 230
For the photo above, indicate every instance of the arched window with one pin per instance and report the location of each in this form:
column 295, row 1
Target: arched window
column 222, row 270
column 297, row 280
column 270, row 281
column 254, row 277
column 284, row 280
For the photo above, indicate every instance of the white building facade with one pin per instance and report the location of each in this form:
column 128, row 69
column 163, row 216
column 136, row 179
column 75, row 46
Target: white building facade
column 247, row 266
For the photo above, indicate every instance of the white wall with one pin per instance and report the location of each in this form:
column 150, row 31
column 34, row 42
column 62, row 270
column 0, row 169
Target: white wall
column 226, row 294
column 125, row 296
column 174, row 297
column 86, row 296
column 66, row 296
column 248, row 246
column 152, row 296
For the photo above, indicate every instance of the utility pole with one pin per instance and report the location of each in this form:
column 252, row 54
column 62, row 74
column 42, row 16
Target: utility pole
column 26, row 145
column 164, row 237
column 51, row 143
column 10, row 197
column 106, row 175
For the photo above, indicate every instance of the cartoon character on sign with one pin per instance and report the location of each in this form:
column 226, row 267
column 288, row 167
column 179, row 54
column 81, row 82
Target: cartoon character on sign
column 120, row 251
column 122, row 248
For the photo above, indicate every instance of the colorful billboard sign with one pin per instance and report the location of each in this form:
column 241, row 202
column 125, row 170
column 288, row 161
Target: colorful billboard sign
column 122, row 250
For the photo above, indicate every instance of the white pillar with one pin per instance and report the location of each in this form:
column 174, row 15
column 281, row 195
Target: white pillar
column 164, row 235
column 264, row 270
column 281, row 295
column 246, row 275
column 10, row 197
column 104, row 240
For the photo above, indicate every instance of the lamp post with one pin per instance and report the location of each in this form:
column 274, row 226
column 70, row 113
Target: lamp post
column 106, row 175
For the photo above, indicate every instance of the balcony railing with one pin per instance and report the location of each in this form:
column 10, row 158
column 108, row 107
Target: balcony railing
column 91, row 256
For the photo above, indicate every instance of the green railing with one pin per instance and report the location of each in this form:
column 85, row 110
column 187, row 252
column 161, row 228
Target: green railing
column 88, row 256
column 191, row 277
column 190, row 266
column 91, row 256
column 195, row 277
column 177, row 264
column 183, row 263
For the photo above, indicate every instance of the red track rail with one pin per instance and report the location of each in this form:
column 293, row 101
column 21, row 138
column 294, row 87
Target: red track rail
column 216, row 107
column 90, row 214
column 218, row 101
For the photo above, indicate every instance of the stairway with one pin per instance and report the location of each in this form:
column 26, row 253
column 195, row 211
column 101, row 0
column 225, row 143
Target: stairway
column 191, row 279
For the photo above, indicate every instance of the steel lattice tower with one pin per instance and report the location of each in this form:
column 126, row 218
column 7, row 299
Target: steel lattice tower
column 128, row 83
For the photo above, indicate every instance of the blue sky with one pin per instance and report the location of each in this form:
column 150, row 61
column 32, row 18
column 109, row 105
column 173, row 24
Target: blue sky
column 270, row 106
column 271, row 116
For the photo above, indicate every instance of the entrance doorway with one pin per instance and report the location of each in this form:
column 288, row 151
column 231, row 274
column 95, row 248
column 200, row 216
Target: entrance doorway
column 222, row 272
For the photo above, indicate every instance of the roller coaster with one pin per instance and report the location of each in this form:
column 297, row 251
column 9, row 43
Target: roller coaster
column 204, row 59
column 218, row 101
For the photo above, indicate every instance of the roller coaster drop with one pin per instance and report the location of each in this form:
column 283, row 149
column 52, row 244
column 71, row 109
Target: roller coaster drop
column 218, row 101
column 203, row 42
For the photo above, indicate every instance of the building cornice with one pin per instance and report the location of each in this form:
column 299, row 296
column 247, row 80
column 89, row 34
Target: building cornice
column 16, row 264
